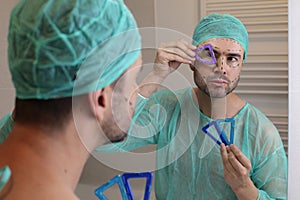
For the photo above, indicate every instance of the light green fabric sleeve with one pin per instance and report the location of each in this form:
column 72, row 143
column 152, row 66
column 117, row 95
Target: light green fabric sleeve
column 6, row 125
column 262, row 195
column 272, row 179
column 267, row 155
column 5, row 174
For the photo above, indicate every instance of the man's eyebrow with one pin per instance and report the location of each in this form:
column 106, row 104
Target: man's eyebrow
column 228, row 54
column 234, row 55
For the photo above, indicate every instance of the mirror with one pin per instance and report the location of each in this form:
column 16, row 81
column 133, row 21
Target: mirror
column 153, row 13
column 264, row 81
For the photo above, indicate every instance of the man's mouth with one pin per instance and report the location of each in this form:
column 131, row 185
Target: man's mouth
column 218, row 82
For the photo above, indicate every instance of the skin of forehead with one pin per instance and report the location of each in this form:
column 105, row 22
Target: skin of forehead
column 224, row 45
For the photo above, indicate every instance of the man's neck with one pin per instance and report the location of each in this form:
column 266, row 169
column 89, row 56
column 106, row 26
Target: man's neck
column 218, row 108
column 58, row 156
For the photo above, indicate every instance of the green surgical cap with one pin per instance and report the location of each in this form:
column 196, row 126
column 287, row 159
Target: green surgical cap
column 62, row 48
column 221, row 26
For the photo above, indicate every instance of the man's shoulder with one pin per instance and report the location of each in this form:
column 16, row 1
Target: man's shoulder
column 35, row 184
column 31, row 191
column 258, row 120
column 254, row 111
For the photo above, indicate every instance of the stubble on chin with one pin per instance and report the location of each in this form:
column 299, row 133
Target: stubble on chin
column 217, row 92
column 112, row 132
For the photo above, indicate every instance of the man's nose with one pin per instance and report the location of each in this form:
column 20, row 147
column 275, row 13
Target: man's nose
column 221, row 65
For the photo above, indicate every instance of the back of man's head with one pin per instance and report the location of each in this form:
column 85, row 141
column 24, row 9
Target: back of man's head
column 50, row 40
column 64, row 48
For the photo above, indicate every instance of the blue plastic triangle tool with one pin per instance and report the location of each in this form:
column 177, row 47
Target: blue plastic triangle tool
column 221, row 134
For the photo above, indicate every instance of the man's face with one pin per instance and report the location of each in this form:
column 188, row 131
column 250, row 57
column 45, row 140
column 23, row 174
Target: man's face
column 220, row 79
column 121, row 109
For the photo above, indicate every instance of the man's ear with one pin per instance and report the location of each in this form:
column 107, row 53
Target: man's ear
column 98, row 102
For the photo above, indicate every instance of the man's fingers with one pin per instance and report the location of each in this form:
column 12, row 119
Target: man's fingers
column 225, row 158
column 236, row 162
column 179, row 47
column 178, row 52
column 240, row 156
column 169, row 56
column 237, row 166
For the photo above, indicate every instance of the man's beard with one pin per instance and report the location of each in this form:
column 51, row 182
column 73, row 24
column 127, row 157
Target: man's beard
column 116, row 125
column 112, row 131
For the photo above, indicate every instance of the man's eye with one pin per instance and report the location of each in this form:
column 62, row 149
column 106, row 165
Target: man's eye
column 232, row 59
column 207, row 52
column 204, row 53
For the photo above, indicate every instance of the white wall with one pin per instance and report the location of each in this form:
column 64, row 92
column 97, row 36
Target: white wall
column 294, row 97
column 6, row 87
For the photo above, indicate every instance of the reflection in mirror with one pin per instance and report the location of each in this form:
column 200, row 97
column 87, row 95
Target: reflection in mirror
column 264, row 78
column 263, row 81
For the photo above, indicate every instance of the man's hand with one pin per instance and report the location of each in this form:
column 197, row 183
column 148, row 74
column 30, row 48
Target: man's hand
column 168, row 58
column 236, row 172
column 170, row 55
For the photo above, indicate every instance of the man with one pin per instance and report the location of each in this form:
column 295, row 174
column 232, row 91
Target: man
column 67, row 60
column 189, row 125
